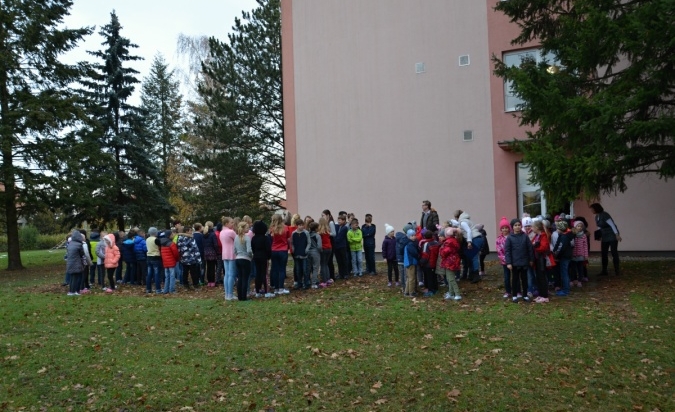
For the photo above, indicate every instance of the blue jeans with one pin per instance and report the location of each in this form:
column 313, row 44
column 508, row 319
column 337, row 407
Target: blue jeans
column 531, row 280
column 179, row 272
column 229, row 266
column 564, row 265
column 154, row 270
column 170, row 280
column 356, row 262
column 278, row 270
column 507, row 279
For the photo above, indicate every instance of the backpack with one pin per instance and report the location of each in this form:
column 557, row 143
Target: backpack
column 429, row 255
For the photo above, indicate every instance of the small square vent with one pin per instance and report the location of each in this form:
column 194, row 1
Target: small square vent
column 468, row 136
column 464, row 60
column 420, row 67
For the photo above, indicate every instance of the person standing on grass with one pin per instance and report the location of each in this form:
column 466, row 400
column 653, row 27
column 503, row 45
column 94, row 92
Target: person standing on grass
column 519, row 255
column 562, row 250
column 75, row 262
column 243, row 254
column 111, row 261
column 451, row 262
column 340, row 249
column 281, row 243
column 314, row 255
column 86, row 246
column 227, row 236
column 355, row 241
column 579, row 253
column 504, row 231
column 154, row 262
column 542, row 249
column 389, row 254
column 129, row 258
column 333, row 232
column 410, row 261
column 368, row 230
column 141, row 254
column 299, row 250
column 101, row 247
column 261, row 247
column 608, row 234
column 326, row 251
column 190, row 258
column 170, row 257
column 210, row 253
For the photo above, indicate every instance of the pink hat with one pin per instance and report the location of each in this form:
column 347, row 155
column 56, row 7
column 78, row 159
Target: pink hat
column 504, row 223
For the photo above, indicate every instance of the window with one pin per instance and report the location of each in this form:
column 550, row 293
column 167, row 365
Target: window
column 531, row 198
column 511, row 101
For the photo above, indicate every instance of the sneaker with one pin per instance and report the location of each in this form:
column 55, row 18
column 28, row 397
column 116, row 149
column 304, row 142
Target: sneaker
column 420, row 284
column 389, row 284
column 527, row 298
column 159, row 292
column 481, row 273
column 323, row 285
column 269, row 295
column 457, row 297
column 257, row 295
column 541, row 299
column 315, row 286
column 514, row 299
column 330, row 281
column 579, row 284
column 71, row 294
column 447, row 296
column 148, row 291
column 561, row 293
column 398, row 284
column 109, row 290
column 285, row 291
column 506, row 295
column 428, row 294
column 278, row 292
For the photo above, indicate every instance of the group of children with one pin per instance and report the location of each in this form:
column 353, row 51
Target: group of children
column 418, row 259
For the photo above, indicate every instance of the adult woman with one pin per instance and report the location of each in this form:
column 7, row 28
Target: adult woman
column 474, row 243
column 609, row 237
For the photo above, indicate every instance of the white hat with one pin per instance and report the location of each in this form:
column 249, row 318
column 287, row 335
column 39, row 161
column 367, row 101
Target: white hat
column 388, row 228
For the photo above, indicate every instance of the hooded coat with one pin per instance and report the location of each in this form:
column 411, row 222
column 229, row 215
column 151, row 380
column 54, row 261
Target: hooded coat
column 75, row 253
column 112, row 252
column 261, row 244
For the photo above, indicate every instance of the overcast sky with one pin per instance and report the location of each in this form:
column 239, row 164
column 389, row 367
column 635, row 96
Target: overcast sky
column 154, row 25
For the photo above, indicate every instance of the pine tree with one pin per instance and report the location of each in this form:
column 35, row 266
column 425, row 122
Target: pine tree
column 36, row 104
column 131, row 187
column 241, row 89
column 604, row 111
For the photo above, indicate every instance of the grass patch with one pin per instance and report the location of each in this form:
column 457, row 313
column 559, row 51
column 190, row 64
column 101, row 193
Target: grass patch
column 355, row 346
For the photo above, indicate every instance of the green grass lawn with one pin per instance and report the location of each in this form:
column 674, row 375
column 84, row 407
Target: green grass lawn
column 355, row 346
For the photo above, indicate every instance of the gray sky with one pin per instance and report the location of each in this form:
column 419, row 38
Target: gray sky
column 154, row 25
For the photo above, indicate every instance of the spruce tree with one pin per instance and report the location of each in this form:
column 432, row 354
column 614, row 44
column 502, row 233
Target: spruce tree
column 36, row 104
column 131, row 187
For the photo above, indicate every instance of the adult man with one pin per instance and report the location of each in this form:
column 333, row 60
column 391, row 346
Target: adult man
column 429, row 217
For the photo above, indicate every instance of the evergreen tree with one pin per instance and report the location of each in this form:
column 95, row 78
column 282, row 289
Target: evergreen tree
column 130, row 187
column 241, row 89
column 36, row 104
column 604, row 111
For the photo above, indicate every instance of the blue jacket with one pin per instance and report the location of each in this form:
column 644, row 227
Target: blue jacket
column 140, row 248
column 341, row 237
column 199, row 240
column 368, row 233
column 127, row 251
column 401, row 241
column 410, row 254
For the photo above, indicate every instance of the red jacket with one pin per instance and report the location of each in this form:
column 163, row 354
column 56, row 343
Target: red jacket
column 544, row 247
column 169, row 252
column 449, row 252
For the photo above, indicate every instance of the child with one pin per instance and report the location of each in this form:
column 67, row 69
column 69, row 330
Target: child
column 100, row 257
column 340, row 247
column 75, row 259
column 532, row 285
column 154, row 262
column 355, row 239
column 519, row 255
column 540, row 243
column 261, row 246
column 243, row 254
column 300, row 245
column 389, row 253
column 129, row 258
column 451, row 262
column 190, row 258
column 563, row 252
column 368, row 230
column 484, row 250
column 410, row 260
column 504, row 230
column 579, row 253
column 111, row 260
column 140, row 252
column 326, row 252
column 169, row 252
column 314, row 254
column 281, row 243
column 227, row 236
column 430, row 254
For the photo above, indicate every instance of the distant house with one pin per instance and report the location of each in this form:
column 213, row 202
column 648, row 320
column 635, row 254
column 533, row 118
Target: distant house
column 391, row 102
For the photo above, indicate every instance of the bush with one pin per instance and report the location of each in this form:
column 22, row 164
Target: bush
column 30, row 240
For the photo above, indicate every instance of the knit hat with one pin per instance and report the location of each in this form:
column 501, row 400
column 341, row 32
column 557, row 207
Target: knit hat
column 407, row 227
column 580, row 222
column 503, row 223
column 527, row 221
column 561, row 225
column 410, row 232
column 388, row 228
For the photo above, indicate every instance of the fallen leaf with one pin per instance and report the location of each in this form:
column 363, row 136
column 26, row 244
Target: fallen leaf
column 380, row 401
column 377, row 385
column 43, row 370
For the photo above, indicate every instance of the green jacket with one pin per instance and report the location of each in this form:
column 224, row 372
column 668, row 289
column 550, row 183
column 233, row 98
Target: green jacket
column 354, row 240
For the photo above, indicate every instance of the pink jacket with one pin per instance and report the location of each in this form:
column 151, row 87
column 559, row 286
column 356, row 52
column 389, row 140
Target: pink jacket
column 227, row 236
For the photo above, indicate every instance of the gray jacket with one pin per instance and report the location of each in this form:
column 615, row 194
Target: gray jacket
column 75, row 253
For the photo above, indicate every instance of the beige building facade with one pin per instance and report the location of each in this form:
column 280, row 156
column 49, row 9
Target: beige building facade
column 391, row 102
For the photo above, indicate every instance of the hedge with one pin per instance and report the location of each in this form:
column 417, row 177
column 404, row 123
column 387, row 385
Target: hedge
column 30, row 239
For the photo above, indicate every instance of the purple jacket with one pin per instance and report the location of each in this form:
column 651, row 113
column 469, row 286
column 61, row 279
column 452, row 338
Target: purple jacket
column 389, row 248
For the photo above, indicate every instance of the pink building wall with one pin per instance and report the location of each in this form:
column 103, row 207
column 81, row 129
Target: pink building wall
column 366, row 134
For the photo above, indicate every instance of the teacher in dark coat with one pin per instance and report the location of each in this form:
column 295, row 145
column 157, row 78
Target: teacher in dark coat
column 608, row 235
